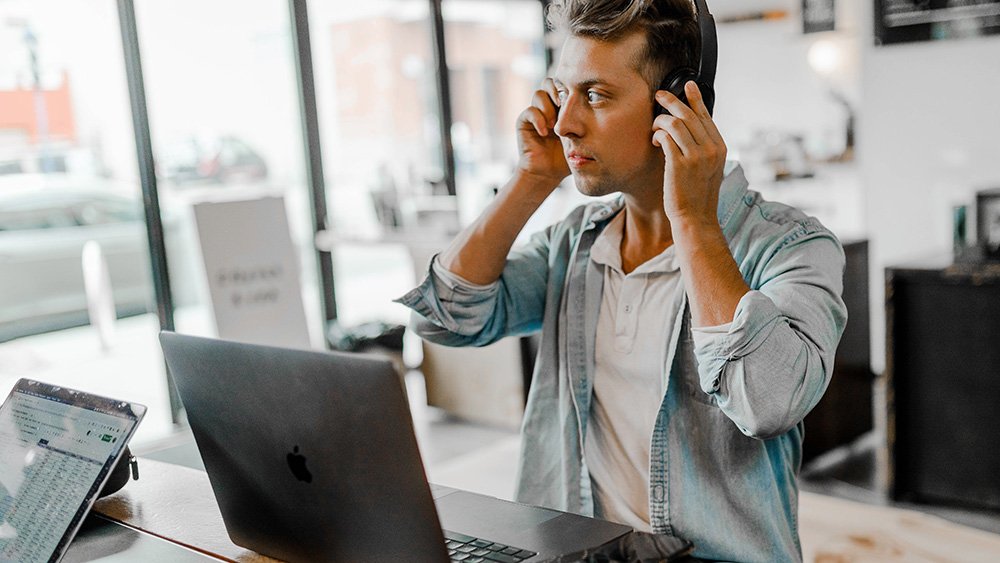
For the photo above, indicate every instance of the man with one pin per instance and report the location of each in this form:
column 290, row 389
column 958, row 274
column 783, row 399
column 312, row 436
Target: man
column 687, row 327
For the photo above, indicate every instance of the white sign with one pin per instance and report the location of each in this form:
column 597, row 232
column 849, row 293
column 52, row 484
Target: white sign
column 253, row 272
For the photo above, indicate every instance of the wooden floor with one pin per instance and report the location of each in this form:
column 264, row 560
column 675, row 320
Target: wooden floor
column 837, row 530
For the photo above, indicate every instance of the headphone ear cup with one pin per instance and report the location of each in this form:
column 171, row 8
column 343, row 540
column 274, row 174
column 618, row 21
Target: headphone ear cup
column 674, row 83
column 708, row 96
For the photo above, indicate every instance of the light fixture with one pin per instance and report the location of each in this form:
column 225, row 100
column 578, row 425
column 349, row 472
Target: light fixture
column 828, row 60
column 825, row 57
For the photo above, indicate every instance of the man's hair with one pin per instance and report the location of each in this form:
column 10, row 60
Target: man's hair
column 673, row 38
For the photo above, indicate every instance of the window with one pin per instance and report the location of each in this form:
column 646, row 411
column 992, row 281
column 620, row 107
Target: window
column 496, row 60
column 379, row 122
column 68, row 178
column 225, row 125
column 377, row 87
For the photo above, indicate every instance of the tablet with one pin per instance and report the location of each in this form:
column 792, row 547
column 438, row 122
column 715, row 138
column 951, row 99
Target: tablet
column 57, row 448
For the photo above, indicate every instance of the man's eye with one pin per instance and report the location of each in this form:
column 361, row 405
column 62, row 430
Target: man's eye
column 593, row 97
column 561, row 94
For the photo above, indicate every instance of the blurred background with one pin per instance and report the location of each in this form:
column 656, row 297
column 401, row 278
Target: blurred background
column 385, row 126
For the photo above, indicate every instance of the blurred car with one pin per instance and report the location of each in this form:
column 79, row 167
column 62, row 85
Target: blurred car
column 55, row 158
column 44, row 222
column 220, row 160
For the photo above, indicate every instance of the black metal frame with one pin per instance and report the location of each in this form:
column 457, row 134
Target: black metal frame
column 444, row 86
column 147, row 177
column 444, row 94
column 314, row 158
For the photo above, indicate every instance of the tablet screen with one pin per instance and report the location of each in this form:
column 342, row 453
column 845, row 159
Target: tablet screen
column 57, row 447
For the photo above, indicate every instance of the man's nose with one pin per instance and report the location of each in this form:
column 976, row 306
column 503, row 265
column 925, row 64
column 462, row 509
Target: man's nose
column 568, row 122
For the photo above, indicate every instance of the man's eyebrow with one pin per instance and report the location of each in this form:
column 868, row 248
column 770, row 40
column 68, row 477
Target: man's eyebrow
column 586, row 83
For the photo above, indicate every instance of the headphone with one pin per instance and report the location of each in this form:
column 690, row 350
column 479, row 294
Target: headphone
column 704, row 76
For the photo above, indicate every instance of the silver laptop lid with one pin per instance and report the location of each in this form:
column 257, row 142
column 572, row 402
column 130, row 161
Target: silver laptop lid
column 311, row 455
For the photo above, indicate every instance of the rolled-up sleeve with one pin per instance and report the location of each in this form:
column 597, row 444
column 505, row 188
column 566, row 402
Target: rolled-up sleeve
column 452, row 311
column 774, row 362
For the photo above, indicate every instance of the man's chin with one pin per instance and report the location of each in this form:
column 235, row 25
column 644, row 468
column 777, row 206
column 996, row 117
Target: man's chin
column 590, row 186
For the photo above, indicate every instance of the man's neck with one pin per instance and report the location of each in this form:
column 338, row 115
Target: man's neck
column 646, row 232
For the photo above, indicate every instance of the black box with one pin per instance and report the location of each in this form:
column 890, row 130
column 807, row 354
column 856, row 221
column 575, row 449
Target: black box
column 943, row 384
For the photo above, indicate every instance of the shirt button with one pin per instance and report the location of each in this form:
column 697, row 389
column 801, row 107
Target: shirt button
column 628, row 308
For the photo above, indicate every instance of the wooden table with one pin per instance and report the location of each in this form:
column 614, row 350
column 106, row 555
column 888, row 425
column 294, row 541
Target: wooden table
column 175, row 503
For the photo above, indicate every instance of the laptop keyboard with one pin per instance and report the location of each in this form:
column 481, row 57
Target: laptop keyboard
column 468, row 549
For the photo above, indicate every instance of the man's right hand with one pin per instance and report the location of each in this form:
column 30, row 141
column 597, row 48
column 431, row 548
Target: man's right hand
column 479, row 253
column 540, row 149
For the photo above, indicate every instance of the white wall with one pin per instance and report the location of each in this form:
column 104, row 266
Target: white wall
column 928, row 125
column 764, row 82
column 929, row 135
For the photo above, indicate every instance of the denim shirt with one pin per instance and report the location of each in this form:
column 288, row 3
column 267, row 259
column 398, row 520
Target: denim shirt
column 726, row 447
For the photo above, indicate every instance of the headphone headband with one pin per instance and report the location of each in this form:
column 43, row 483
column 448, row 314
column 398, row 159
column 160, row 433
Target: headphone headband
column 709, row 56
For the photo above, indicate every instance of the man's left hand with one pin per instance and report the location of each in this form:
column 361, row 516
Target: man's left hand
column 694, row 156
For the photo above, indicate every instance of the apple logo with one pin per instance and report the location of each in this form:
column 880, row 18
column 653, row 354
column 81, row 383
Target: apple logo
column 297, row 463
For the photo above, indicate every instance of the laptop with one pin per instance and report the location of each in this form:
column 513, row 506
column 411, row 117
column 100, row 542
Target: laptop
column 57, row 449
column 312, row 457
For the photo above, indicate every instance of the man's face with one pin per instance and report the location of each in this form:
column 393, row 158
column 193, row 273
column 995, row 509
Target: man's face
column 605, row 116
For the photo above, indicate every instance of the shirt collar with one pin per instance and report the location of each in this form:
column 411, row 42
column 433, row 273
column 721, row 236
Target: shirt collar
column 733, row 190
column 607, row 246
column 607, row 250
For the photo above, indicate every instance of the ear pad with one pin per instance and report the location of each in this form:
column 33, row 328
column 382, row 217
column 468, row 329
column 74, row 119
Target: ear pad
column 674, row 83
column 708, row 95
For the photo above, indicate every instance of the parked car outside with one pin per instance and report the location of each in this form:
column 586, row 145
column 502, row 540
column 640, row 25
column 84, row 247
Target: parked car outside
column 56, row 158
column 219, row 160
column 44, row 222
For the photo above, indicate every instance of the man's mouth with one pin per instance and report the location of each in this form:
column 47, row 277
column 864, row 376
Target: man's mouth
column 577, row 159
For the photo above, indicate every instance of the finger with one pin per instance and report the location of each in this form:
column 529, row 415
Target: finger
column 546, row 105
column 662, row 139
column 535, row 119
column 678, row 130
column 696, row 100
column 679, row 109
column 698, row 105
column 550, row 88
column 549, row 85
column 713, row 132
column 674, row 105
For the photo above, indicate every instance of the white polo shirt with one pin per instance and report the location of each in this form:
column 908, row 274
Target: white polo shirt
column 633, row 332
